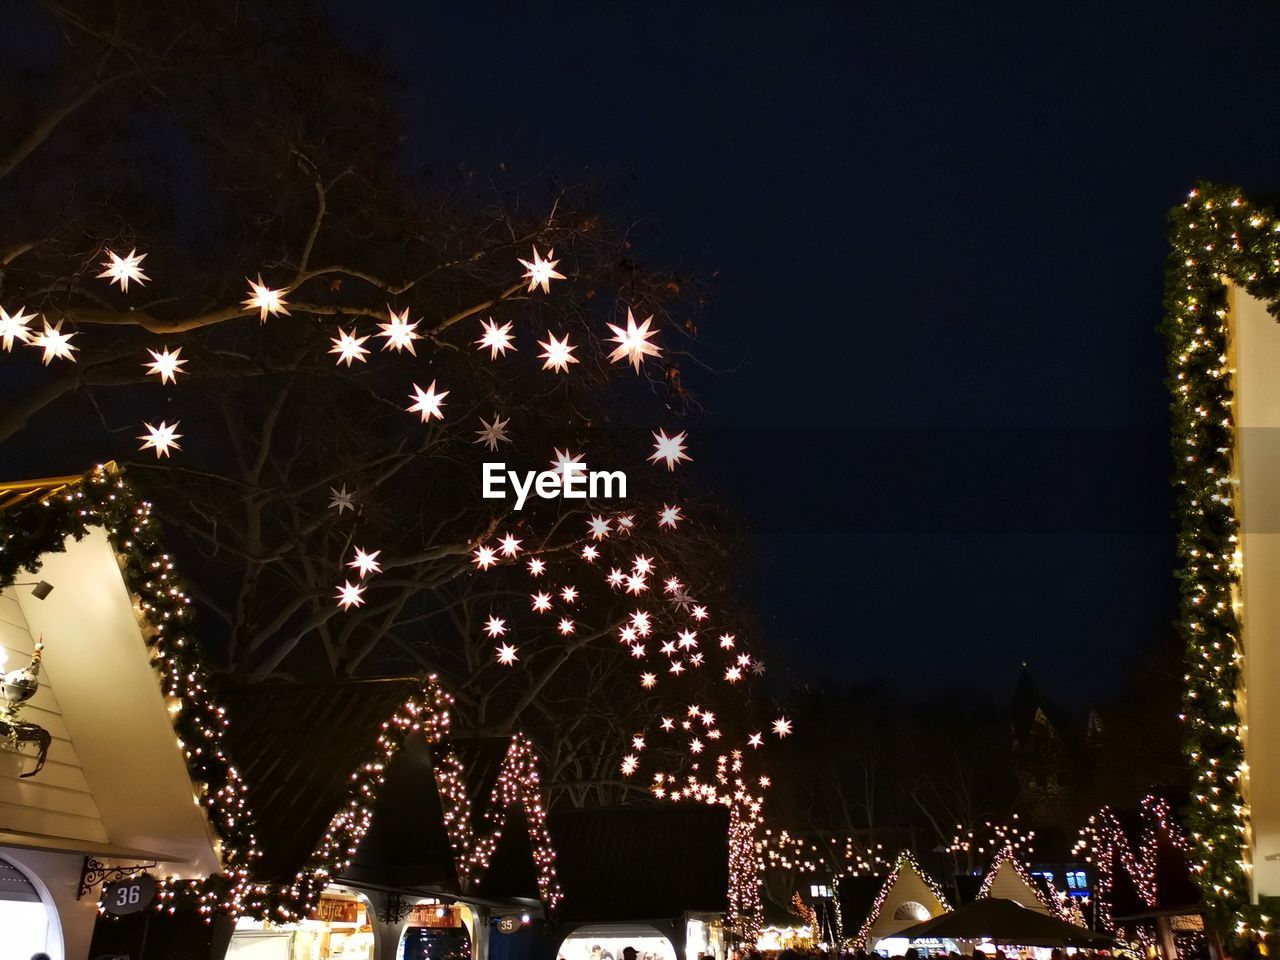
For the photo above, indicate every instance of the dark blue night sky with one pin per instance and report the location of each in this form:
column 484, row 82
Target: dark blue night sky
column 940, row 234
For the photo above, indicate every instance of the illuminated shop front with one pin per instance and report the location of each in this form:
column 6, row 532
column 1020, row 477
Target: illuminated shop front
column 436, row 931
column 341, row 927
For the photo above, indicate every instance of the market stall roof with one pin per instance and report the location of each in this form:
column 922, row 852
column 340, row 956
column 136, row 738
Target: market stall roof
column 642, row 863
column 127, row 750
column 875, row 907
column 296, row 746
column 1006, row 922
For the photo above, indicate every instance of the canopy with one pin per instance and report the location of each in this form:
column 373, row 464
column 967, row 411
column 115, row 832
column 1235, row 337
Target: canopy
column 1005, row 921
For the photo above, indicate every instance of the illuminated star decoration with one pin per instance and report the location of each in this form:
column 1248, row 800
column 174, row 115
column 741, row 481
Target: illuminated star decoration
column 648, row 680
column 350, row 595
column 366, row 563
column 598, row 527
column 492, row 434
column 669, row 516
column 507, row 655
column 565, row 626
column 342, row 500
column 509, row 545
column 13, row 326
column 427, row 403
column 541, row 602
column 496, row 338
column 537, row 566
column 633, row 342
column 122, row 270
column 266, row 301
column 782, row 727
column 495, row 627
column 165, row 364
column 484, row 557
column 629, row 764
column 670, row 449
column 399, row 332
column 755, row 740
column 162, row 439
column 563, row 460
column 54, row 343
column 349, row 347
column 541, row 272
column 558, row 354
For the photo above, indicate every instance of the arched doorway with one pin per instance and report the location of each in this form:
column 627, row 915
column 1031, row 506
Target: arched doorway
column 29, row 922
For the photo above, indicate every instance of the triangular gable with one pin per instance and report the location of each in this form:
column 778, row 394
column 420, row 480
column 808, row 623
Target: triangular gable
column 1008, row 879
column 139, row 694
column 906, row 889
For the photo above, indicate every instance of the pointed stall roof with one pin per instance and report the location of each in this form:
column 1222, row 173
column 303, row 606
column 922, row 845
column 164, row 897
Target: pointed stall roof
column 902, row 896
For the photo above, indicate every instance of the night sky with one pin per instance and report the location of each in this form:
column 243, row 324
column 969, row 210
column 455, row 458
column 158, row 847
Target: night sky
column 940, row 235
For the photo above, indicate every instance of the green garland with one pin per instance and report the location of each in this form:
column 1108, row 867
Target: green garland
column 102, row 499
column 1216, row 235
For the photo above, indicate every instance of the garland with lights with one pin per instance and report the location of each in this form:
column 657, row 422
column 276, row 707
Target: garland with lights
column 1106, row 846
column 101, row 498
column 519, row 782
column 1215, row 236
column 907, row 861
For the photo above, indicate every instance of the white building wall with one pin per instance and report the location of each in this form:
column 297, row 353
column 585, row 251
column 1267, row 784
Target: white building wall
column 1255, row 357
column 57, row 802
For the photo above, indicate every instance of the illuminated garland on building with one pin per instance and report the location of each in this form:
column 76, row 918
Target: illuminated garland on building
column 1106, row 846
column 519, row 783
column 163, row 608
column 1215, row 236
column 907, row 861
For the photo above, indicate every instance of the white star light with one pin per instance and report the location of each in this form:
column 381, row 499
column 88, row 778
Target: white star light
column 366, row 563
column 266, row 301
column 537, row 566
column 166, row 365
column 495, row 627
column 616, row 577
column 399, row 331
column 598, row 527
column 350, row 595
column 756, row 740
column 727, row 641
column 624, row 522
column 565, row 626
column 733, row 674
column 669, row 516
column 670, row 449
column 496, row 338
column 342, row 500
column 541, row 602
column 641, row 621
column 349, row 347
column 642, row 565
column 507, row 655
column 558, row 354
column 427, row 403
column 688, row 639
column 633, row 342
column 122, row 270
column 484, row 557
column 54, row 343
column 14, row 326
column 673, row 585
column 629, row 764
column 541, row 272
column 668, row 724
column 637, row 650
column 636, row 585
column 569, row 594
column 699, row 612
column 162, row 439
column 590, row 553
column 509, row 546
column 782, row 727
column 563, row 459
column 492, row 434
column 648, row 680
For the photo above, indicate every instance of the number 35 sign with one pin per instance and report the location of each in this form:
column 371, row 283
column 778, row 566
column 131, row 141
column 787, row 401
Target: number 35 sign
column 128, row 896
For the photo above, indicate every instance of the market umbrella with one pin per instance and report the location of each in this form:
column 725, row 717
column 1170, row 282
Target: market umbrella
column 1005, row 921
